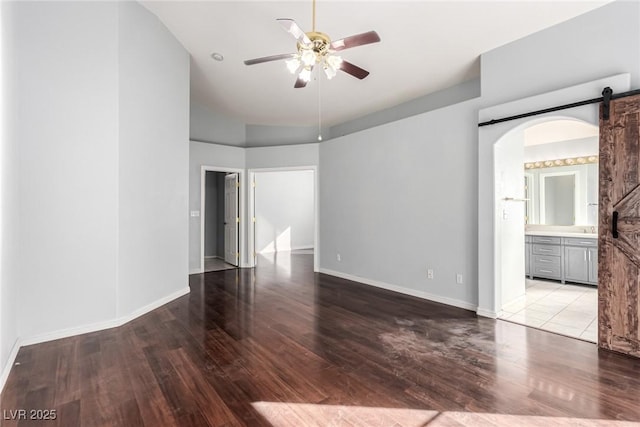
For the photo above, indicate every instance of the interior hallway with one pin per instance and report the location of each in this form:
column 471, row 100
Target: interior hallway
column 282, row 346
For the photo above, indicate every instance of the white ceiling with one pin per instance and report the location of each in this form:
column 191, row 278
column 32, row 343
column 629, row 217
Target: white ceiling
column 426, row 46
column 559, row 130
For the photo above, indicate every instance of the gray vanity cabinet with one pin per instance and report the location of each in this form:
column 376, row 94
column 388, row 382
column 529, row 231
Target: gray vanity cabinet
column 567, row 259
column 576, row 264
column 546, row 257
column 580, row 260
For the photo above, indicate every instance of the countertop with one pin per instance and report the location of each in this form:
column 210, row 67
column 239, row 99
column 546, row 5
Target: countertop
column 561, row 234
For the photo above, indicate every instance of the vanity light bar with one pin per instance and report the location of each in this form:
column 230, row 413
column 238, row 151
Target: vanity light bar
column 561, row 162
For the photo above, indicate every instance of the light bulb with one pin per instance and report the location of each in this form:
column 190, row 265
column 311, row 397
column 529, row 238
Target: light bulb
column 333, row 61
column 305, row 74
column 319, row 137
column 308, row 57
column 330, row 72
column 293, row 65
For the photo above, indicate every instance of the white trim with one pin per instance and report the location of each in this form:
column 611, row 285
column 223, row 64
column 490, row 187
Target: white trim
column 107, row 324
column 402, row 290
column 10, row 362
column 316, row 211
column 242, row 244
column 486, row 313
column 196, row 271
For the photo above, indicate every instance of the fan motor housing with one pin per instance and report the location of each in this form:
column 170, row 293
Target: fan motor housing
column 320, row 43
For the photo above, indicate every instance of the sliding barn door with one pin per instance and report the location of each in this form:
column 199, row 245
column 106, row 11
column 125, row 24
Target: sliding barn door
column 619, row 228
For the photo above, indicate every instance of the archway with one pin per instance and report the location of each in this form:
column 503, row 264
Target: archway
column 490, row 239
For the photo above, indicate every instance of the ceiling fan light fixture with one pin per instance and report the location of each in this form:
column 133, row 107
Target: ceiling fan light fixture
column 305, row 74
column 333, row 61
column 330, row 72
column 308, row 57
column 293, row 65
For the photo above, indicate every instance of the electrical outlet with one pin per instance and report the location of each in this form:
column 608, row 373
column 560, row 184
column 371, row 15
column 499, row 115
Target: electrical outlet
column 338, row 257
column 429, row 273
column 459, row 279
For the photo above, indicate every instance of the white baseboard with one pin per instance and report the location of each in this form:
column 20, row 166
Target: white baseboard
column 152, row 306
column 487, row 313
column 400, row 289
column 10, row 361
column 84, row 329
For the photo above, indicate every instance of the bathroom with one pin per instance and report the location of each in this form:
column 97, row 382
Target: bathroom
column 560, row 218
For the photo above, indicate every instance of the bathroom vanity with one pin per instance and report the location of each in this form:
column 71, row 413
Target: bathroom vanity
column 567, row 257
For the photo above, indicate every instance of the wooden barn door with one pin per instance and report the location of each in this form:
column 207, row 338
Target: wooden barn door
column 619, row 228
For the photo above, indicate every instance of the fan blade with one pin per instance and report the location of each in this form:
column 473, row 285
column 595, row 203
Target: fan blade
column 353, row 41
column 269, row 58
column 354, row 70
column 300, row 83
column 292, row 28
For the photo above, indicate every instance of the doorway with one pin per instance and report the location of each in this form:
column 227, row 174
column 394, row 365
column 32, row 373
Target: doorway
column 222, row 215
column 283, row 211
column 556, row 158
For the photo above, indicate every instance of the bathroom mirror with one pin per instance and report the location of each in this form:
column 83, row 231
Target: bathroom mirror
column 562, row 195
column 558, row 198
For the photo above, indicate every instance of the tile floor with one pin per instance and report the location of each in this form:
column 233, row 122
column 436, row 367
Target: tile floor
column 570, row 310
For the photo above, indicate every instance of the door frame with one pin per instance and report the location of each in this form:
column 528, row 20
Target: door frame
column 242, row 211
column 251, row 253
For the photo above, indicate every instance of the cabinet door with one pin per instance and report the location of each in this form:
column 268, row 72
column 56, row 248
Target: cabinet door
column 527, row 259
column 593, row 265
column 576, row 264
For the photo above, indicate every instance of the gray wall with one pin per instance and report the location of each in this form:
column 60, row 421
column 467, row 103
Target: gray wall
column 284, row 209
column 597, row 44
column 287, row 156
column 153, row 118
column 66, row 125
column 96, row 87
column 206, row 125
column 9, row 198
column 263, row 135
column 399, row 198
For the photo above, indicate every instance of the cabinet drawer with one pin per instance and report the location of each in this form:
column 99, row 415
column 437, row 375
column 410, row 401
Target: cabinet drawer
column 546, row 239
column 546, row 261
column 576, row 241
column 547, row 267
column 550, row 271
column 538, row 249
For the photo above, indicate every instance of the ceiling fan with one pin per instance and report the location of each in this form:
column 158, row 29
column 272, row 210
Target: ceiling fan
column 316, row 49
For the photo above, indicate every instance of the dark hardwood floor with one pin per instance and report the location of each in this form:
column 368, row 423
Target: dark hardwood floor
column 283, row 346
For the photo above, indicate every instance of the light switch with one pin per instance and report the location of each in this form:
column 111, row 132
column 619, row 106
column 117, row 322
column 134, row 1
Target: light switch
column 195, row 213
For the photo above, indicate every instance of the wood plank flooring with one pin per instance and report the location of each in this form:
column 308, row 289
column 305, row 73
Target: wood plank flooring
column 283, row 346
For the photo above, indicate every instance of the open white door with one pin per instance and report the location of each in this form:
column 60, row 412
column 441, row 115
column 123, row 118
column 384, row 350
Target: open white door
column 231, row 218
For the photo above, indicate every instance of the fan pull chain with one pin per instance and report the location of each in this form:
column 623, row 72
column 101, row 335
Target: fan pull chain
column 319, row 109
